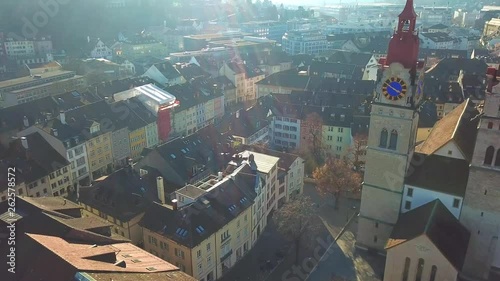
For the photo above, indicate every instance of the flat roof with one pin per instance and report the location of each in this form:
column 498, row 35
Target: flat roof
column 156, row 94
column 264, row 162
column 45, row 84
column 26, row 79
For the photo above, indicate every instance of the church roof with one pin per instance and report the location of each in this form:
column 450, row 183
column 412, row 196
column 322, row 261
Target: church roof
column 436, row 222
column 439, row 173
column 459, row 126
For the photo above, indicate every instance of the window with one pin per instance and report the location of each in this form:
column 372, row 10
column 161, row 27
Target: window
column 339, row 139
column 408, row 205
column 406, row 269
column 490, row 125
column 341, row 130
column 375, row 239
column 383, row 138
column 488, row 158
column 376, row 225
column 394, row 139
column 497, row 160
column 433, row 273
column 198, row 254
column 456, row 203
column 329, row 138
column 420, row 269
column 409, row 192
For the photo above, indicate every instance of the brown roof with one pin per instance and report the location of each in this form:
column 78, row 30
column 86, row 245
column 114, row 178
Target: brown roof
column 439, row 225
column 50, row 203
column 459, row 126
column 87, row 257
column 163, row 276
column 87, row 223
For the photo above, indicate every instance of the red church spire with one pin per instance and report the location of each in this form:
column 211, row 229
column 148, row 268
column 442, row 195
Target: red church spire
column 408, row 11
column 404, row 44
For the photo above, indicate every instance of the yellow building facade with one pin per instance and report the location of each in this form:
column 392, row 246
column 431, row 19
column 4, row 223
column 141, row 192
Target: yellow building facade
column 99, row 153
column 138, row 142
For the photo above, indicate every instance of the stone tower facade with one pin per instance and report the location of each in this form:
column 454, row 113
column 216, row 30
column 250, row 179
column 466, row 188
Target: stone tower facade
column 393, row 129
column 481, row 209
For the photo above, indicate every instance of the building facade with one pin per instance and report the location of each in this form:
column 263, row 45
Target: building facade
column 311, row 42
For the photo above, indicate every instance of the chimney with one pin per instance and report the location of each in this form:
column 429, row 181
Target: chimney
column 238, row 114
column 161, row 189
column 174, row 204
column 219, row 176
column 62, row 116
column 26, row 122
column 24, row 142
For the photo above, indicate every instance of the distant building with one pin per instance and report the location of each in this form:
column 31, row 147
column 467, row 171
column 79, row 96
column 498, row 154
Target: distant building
column 29, row 88
column 304, row 42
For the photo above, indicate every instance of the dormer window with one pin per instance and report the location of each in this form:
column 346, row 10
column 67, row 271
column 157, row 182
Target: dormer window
column 95, row 128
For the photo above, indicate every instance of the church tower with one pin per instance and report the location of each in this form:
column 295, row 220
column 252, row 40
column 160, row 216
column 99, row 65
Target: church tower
column 393, row 129
column 481, row 207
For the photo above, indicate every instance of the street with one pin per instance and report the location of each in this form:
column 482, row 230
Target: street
column 341, row 260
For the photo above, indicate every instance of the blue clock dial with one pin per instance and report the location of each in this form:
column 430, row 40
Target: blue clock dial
column 394, row 88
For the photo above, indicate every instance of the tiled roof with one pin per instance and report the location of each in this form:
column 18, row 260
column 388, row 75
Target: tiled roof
column 193, row 93
column 192, row 224
column 96, row 258
column 459, row 126
column 168, row 70
column 438, row 26
column 436, row 222
column 175, row 160
column 249, row 121
column 289, row 80
column 352, row 71
column 439, row 173
column 191, row 71
column 124, row 194
column 347, row 57
column 109, row 88
column 250, row 71
column 57, row 204
column 452, row 66
column 39, row 160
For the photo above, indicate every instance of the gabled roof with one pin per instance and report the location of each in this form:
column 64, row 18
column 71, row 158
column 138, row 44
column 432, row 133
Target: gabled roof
column 39, row 160
column 439, row 173
column 191, row 71
column 459, row 126
column 99, row 258
column 246, row 122
column 167, row 70
column 195, row 92
column 436, row 222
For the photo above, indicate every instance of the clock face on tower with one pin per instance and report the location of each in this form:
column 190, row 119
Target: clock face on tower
column 394, row 88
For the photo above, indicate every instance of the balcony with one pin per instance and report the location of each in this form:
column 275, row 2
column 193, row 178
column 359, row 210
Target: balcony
column 224, row 257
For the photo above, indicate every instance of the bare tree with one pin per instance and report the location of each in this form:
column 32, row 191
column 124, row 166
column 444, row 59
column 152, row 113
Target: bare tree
column 336, row 177
column 297, row 221
column 312, row 128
